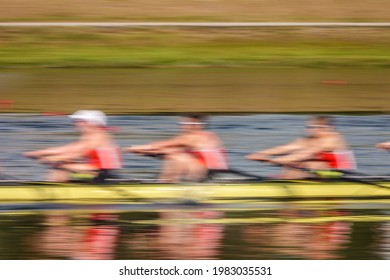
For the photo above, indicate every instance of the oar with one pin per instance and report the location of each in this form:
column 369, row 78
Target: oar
column 333, row 174
column 146, row 153
column 212, row 172
column 7, row 177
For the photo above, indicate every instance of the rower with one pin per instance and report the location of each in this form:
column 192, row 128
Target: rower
column 321, row 149
column 94, row 153
column 190, row 155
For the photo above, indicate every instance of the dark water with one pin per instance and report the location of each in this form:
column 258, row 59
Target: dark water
column 182, row 233
column 282, row 234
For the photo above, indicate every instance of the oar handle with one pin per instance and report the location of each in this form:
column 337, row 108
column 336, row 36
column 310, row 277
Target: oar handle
column 324, row 173
column 145, row 153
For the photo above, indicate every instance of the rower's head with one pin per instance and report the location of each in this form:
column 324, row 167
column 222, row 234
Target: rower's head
column 193, row 122
column 89, row 119
column 320, row 125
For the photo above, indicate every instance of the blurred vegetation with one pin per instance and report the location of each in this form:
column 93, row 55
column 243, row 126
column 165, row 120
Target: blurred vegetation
column 142, row 47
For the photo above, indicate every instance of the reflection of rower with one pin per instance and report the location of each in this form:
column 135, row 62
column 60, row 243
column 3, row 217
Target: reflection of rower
column 190, row 235
column 95, row 153
column 96, row 241
column 322, row 148
column 307, row 240
column 189, row 155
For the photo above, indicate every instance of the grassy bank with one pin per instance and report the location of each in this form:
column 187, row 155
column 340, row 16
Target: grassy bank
column 263, row 47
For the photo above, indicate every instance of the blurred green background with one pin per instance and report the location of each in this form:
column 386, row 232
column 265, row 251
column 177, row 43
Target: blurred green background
column 145, row 47
column 162, row 89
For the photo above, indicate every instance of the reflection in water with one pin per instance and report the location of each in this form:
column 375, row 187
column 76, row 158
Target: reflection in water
column 182, row 235
column 302, row 234
column 299, row 240
column 61, row 239
column 384, row 244
column 198, row 240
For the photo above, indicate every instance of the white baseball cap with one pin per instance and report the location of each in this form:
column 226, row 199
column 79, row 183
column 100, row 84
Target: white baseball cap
column 91, row 116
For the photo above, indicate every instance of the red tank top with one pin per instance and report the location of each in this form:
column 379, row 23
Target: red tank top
column 339, row 160
column 212, row 158
column 105, row 158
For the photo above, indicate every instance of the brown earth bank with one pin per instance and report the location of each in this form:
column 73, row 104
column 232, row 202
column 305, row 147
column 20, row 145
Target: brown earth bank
column 210, row 90
column 195, row 10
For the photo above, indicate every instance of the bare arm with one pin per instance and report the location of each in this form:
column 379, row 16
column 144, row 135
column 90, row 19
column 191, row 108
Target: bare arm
column 336, row 142
column 298, row 156
column 384, row 145
column 62, row 153
column 50, row 151
column 156, row 146
column 76, row 152
column 265, row 155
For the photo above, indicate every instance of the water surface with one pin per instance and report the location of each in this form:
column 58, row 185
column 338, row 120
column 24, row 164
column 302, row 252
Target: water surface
column 242, row 135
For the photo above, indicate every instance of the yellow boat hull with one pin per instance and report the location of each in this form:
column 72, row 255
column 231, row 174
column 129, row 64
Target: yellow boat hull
column 52, row 192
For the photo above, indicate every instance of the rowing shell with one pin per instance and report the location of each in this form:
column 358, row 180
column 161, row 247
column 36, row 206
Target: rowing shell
column 90, row 193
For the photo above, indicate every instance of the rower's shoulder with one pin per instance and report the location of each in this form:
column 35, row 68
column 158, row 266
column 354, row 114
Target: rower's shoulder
column 211, row 134
column 337, row 135
column 337, row 139
column 300, row 140
column 204, row 133
column 98, row 139
column 206, row 136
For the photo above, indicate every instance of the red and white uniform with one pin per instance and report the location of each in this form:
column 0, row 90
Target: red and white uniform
column 344, row 160
column 212, row 158
column 105, row 158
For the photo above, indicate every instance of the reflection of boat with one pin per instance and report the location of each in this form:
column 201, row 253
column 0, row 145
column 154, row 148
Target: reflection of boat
column 274, row 220
column 125, row 191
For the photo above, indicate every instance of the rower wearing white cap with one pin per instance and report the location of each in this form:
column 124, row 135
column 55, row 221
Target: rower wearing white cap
column 93, row 152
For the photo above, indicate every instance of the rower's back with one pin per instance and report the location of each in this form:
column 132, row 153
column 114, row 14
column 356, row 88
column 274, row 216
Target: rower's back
column 103, row 152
